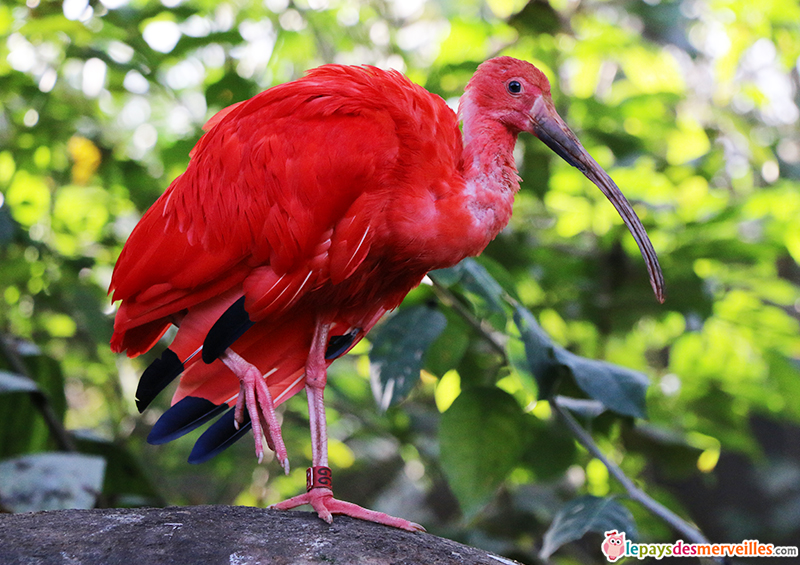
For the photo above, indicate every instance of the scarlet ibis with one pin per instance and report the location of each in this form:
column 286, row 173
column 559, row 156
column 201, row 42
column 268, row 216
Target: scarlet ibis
column 306, row 213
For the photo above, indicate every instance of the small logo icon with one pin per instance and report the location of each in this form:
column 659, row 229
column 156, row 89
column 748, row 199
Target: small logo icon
column 614, row 545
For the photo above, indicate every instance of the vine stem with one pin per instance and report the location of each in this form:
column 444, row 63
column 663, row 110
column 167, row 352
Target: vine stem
column 684, row 528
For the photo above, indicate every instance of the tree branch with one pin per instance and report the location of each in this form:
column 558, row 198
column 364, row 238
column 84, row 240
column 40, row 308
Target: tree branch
column 679, row 524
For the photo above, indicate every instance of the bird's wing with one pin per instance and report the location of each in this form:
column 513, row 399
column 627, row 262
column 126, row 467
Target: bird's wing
column 285, row 192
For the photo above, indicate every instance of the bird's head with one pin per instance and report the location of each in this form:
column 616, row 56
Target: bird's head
column 517, row 94
column 505, row 89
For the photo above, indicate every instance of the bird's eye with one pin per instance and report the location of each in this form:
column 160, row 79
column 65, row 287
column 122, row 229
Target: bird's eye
column 514, row 86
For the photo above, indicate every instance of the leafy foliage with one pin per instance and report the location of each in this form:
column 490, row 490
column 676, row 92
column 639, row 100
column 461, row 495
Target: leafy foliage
column 691, row 107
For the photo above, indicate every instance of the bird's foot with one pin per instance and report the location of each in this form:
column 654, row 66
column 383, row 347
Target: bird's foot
column 256, row 398
column 321, row 499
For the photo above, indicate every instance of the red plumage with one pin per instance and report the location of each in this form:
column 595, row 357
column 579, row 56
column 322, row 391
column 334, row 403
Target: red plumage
column 323, row 202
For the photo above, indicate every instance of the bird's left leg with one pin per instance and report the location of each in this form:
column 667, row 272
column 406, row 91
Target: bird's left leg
column 319, row 494
column 254, row 396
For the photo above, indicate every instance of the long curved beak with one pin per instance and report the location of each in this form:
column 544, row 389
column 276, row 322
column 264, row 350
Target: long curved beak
column 548, row 126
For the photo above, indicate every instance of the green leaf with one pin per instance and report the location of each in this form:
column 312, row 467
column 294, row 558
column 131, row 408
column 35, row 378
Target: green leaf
column 13, row 382
column 620, row 389
column 477, row 279
column 50, row 481
column 518, row 360
column 586, row 514
column 7, row 226
column 447, row 277
column 481, row 441
column 447, row 351
column 539, row 349
column 549, row 448
column 501, row 277
column 398, row 350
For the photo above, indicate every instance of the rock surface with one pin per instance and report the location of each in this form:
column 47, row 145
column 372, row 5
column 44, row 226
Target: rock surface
column 211, row 535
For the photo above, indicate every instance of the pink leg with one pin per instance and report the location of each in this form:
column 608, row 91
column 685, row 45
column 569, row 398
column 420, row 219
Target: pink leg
column 316, row 379
column 320, row 498
column 254, row 395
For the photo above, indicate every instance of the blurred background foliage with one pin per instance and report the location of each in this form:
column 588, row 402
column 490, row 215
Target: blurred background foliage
column 692, row 107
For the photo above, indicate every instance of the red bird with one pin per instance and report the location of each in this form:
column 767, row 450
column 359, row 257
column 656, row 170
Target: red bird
column 305, row 214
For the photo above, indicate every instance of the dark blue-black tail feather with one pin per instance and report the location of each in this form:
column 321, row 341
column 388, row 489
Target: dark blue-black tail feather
column 156, row 377
column 183, row 417
column 218, row 437
column 230, row 327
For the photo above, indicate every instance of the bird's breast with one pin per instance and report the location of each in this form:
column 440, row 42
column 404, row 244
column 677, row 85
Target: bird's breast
column 437, row 228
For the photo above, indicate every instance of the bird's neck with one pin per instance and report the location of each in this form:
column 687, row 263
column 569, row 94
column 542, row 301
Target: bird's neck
column 488, row 168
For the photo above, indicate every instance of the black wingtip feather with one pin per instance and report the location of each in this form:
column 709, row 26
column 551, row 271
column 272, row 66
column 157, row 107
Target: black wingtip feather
column 218, row 437
column 184, row 416
column 338, row 344
column 156, row 377
column 230, row 327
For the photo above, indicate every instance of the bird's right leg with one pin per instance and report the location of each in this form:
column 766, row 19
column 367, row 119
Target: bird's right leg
column 319, row 493
column 254, row 395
